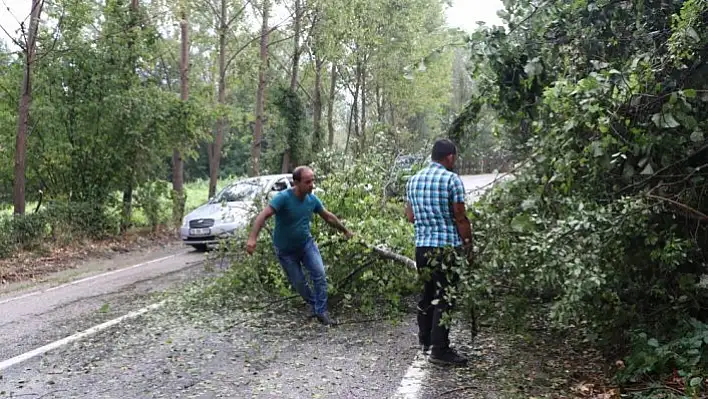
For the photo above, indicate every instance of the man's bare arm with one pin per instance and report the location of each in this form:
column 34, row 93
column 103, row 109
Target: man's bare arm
column 463, row 223
column 260, row 221
column 334, row 221
column 409, row 213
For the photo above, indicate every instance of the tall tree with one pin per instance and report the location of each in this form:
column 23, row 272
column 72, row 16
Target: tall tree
column 260, row 93
column 29, row 49
column 177, row 161
column 225, row 23
column 128, row 191
column 295, row 68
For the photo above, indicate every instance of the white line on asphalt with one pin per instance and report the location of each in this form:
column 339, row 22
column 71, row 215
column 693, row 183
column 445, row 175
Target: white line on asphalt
column 413, row 379
column 30, row 294
column 53, row 345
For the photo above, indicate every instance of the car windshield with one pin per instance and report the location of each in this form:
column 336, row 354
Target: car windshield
column 241, row 191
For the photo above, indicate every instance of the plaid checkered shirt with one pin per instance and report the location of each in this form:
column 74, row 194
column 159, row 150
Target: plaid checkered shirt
column 431, row 193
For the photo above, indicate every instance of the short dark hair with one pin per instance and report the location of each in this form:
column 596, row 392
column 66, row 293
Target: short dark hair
column 442, row 148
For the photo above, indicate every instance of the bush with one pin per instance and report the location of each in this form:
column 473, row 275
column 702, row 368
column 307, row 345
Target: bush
column 79, row 220
column 21, row 232
column 152, row 198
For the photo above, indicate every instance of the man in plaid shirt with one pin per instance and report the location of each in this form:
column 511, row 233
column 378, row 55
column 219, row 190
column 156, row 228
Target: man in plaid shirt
column 436, row 207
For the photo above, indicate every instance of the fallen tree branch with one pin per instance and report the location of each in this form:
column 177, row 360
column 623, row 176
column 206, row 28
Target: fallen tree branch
column 386, row 254
column 460, row 389
column 694, row 213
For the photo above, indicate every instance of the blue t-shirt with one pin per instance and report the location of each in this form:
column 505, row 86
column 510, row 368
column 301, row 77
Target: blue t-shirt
column 292, row 219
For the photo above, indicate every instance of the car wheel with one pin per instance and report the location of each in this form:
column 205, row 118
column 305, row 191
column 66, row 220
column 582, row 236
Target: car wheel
column 200, row 247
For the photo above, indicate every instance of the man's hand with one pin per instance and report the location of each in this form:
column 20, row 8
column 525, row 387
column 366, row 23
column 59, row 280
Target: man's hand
column 267, row 212
column 251, row 246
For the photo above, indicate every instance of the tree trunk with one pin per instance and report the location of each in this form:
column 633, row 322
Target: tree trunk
column 330, row 108
column 379, row 105
column 127, row 208
column 355, row 105
column 221, row 124
column 127, row 213
column 260, row 95
column 353, row 116
column 362, row 142
column 296, row 48
column 287, row 156
column 317, row 106
column 177, row 161
column 18, row 192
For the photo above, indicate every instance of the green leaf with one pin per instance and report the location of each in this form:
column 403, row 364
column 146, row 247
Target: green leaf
column 697, row 136
column 522, row 223
column 665, row 120
column 597, row 150
column 690, row 93
column 695, row 381
column 648, row 170
column 693, row 34
column 653, row 343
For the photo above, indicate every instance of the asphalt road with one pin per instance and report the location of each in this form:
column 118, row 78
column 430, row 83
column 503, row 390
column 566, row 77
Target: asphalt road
column 97, row 291
column 161, row 354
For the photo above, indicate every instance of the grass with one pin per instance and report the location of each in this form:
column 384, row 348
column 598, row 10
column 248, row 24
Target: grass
column 197, row 192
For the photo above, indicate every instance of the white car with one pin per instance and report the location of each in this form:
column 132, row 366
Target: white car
column 230, row 209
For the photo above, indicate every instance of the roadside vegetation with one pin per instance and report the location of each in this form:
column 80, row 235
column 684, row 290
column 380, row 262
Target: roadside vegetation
column 597, row 108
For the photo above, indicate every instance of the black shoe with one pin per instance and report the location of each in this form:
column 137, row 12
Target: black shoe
column 446, row 357
column 325, row 319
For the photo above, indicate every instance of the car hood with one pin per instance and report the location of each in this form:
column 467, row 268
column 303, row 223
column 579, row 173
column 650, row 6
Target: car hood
column 218, row 211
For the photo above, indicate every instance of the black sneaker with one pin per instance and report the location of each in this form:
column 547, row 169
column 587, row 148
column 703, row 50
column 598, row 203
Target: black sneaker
column 425, row 349
column 325, row 319
column 447, row 357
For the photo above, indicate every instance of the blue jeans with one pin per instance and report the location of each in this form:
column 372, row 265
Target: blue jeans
column 308, row 257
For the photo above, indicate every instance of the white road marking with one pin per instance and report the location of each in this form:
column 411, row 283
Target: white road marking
column 413, row 379
column 53, row 345
column 83, row 280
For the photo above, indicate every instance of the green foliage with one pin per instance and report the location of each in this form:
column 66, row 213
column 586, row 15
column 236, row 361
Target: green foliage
column 21, row 232
column 357, row 277
column 603, row 221
column 69, row 221
column 292, row 111
column 152, row 198
column 685, row 355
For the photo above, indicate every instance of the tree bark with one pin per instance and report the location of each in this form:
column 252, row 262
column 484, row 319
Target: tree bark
column 177, row 161
column 362, row 141
column 260, row 95
column 379, row 105
column 287, row 155
column 317, row 106
column 221, row 124
column 355, row 107
column 18, row 192
column 127, row 213
column 330, row 108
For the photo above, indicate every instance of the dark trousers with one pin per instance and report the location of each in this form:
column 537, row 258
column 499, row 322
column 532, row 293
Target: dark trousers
column 433, row 304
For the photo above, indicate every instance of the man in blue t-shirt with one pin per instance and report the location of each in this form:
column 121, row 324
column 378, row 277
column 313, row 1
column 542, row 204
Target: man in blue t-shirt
column 294, row 246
